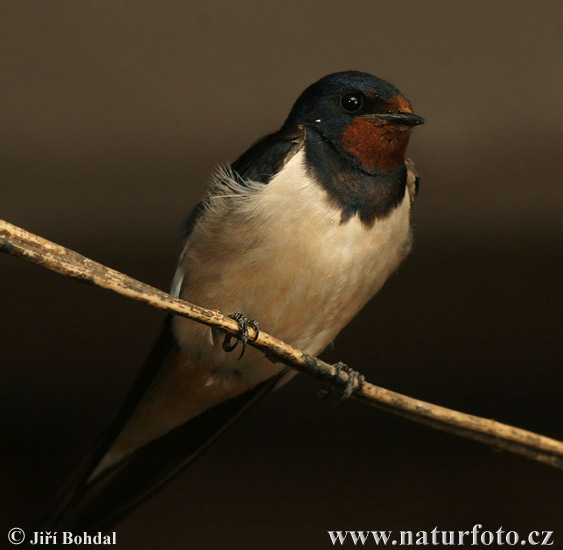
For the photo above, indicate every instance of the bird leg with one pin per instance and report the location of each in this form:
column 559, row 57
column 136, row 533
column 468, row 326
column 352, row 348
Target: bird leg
column 243, row 338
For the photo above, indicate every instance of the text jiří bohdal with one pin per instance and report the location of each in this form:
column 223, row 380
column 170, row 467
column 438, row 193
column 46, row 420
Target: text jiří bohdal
column 66, row 537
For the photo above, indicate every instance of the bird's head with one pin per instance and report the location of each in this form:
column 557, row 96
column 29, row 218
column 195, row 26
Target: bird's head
column 366, row 119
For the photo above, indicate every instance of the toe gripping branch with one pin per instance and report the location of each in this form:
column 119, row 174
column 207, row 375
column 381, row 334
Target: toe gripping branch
column 353, row 376
column 243, row 338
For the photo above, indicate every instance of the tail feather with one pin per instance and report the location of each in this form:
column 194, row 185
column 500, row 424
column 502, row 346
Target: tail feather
column 95, row 504
column 75, row 486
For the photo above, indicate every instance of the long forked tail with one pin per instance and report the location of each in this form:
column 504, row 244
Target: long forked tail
column 95, row 504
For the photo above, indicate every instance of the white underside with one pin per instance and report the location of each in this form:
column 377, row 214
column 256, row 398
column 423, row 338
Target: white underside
column 281, row 255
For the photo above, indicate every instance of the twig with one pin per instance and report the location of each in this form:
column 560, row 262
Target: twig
column 18, row 242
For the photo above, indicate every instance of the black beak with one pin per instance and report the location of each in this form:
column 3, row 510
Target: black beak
column 401, row 117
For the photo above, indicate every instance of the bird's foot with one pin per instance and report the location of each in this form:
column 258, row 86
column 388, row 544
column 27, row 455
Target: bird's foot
column 243, row 338
column 353, row 377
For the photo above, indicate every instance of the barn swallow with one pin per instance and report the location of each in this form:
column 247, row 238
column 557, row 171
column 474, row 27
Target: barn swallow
column 298, row 233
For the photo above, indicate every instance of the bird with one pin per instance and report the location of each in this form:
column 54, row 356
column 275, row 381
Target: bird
column 293, row 238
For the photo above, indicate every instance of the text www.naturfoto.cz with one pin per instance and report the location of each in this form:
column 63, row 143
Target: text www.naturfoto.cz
column 477, row 536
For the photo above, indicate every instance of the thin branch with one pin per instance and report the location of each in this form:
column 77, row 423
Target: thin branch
column 18, row 242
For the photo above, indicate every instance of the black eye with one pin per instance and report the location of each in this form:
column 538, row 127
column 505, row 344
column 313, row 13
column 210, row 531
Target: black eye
column 352, row 102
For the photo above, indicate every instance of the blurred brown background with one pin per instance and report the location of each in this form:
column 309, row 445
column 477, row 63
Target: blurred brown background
column 112, row 115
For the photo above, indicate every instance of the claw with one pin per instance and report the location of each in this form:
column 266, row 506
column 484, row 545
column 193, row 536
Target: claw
column 243, row 337
column 353, row 376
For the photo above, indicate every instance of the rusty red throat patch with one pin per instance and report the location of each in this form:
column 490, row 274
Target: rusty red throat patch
column 377, row 143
